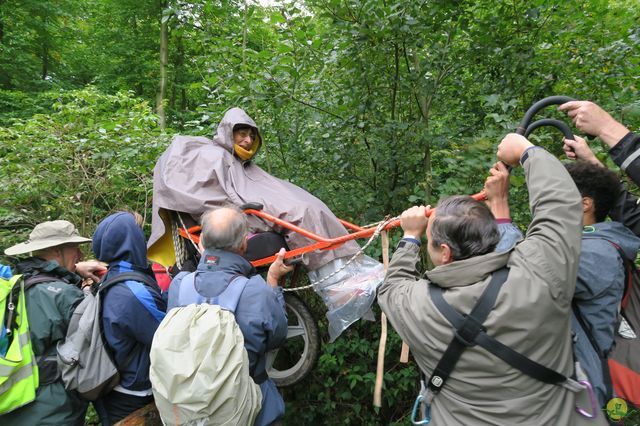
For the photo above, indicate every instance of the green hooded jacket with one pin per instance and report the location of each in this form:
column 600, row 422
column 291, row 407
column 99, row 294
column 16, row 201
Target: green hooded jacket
column 49, row 308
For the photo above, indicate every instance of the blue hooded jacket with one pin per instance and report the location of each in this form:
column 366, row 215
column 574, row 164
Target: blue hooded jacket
column 131, row 310
column 599, row 289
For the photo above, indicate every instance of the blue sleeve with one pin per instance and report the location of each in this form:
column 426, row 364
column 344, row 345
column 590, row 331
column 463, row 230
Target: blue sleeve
column 276, row 325
column 509, row 235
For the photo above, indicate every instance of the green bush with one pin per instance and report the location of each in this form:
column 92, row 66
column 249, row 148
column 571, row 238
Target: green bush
column 93, row 154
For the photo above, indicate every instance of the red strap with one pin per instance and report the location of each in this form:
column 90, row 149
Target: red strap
column 626, row 382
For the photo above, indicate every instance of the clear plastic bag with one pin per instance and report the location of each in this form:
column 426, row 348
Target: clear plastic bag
column 350, row 293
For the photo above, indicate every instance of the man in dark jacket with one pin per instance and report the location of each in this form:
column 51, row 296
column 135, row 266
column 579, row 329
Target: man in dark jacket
column 601, row 273
column 53, row 275
column 131, row 313
column 624, row 149
column 260, row 313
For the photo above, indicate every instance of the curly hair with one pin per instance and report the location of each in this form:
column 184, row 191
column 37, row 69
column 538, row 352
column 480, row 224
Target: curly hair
column 598, row 183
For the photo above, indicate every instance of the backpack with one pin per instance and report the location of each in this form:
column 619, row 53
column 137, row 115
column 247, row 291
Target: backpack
column 18, row 368
column 85, row 363
column 199, row 365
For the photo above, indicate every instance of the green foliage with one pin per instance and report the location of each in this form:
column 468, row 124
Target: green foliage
column 373, row 106
column 340, row 390
column 92, row 155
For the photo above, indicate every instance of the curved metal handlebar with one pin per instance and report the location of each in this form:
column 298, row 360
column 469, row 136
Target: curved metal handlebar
column 566, row 131
column 526, row 126
column 542, row 103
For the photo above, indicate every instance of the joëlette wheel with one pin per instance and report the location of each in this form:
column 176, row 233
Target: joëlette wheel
column 297, row 357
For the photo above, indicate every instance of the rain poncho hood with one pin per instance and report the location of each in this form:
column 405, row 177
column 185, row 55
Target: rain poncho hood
column 195, row 174
column 224, row 134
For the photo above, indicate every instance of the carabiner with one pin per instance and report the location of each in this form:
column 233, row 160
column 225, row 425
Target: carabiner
column 414, row 412
column 592, row 400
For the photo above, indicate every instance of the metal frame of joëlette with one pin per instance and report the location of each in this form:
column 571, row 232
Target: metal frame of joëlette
column 321, row 243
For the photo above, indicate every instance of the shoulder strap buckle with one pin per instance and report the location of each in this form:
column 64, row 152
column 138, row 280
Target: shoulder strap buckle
column 467, row 332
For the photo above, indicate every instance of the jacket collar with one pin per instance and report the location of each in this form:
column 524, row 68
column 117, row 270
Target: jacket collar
column 469, row 271
column 36, row 265
column 215, row 260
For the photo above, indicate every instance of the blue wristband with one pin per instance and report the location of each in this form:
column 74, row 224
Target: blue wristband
column 412, row 240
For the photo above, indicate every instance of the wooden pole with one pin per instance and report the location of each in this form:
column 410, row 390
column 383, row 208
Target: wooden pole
column 404, row 354
column 377, row 390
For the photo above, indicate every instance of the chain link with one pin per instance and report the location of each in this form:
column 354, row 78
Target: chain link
column 380, row 226
column 376, row 234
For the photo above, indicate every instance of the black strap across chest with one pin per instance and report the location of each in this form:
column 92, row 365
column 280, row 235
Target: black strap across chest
column 469, row 332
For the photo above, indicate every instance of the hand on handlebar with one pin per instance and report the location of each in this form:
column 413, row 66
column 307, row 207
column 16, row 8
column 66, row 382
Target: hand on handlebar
column 579, row 150
column 414, row 221
column 511, row 149
column 278, row 269
column 593, row 120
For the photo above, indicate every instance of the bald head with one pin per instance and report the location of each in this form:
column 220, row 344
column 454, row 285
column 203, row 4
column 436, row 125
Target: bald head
column 224, row 228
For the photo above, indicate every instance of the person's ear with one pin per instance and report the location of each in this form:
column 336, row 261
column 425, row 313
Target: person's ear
column 587, row 204
column 445, row 253
column 245, row 244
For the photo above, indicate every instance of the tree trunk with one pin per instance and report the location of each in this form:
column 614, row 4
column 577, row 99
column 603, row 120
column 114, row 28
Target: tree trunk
column 164, row 58
column 44, row 44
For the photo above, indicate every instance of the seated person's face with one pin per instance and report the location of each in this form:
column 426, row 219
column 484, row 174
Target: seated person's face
column 244, row 138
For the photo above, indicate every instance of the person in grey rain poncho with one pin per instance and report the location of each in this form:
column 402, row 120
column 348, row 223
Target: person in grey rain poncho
column 195, row 174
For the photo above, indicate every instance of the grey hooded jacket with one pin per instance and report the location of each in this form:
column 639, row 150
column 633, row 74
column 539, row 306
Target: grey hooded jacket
column 599, row 289
column 195, row 174
column 531, row 314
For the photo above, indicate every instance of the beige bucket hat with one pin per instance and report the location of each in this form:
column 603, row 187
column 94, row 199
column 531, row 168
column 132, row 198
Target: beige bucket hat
column 48, row 234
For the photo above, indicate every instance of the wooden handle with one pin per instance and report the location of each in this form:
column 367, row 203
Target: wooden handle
column 404, row 354
column 377, row 389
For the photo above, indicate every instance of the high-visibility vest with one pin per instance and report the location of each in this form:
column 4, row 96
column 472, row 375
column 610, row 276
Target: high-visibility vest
column 18, row 366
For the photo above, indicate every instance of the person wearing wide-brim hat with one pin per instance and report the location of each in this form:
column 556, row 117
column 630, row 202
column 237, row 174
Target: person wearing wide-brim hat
column 54, row 257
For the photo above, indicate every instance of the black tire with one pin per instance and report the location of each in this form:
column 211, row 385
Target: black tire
column 297, row 357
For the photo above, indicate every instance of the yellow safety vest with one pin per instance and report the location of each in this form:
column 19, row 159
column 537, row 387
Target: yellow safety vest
column 18, row 366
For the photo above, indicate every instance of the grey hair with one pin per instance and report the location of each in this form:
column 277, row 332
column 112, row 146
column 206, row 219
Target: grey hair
column 228, row 235
column 466, row 226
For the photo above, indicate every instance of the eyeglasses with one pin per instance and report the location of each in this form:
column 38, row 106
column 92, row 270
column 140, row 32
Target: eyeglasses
column 243, row 133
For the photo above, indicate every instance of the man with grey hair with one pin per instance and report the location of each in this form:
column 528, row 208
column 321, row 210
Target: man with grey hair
column 53, row 274
column 260, row 313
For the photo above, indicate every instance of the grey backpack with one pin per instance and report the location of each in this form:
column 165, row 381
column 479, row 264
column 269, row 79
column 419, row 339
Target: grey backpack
column 84, row 361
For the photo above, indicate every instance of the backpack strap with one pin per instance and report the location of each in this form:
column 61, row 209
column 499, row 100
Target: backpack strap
column 103, row 286
column 602, row 355
column 227, row 300
column 188, row 293
column 469, row 332
column 41, row 278
column 125, row 276
column 141, row 293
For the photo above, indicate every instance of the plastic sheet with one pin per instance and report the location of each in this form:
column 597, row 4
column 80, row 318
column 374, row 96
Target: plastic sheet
column 350, row 293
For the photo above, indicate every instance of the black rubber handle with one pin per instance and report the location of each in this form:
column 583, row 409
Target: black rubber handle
column 293, row 260
column 560, row 125
column 542, row 103
column 252, row 206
